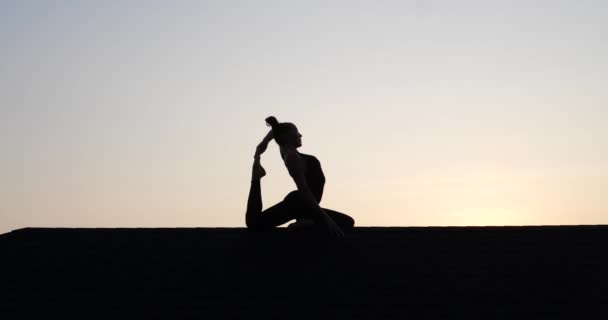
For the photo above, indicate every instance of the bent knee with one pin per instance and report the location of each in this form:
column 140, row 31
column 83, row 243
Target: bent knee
column 295, row 195
column 349, row 222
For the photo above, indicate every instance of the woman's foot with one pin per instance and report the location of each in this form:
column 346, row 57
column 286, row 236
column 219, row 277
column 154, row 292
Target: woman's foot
column 258, row 171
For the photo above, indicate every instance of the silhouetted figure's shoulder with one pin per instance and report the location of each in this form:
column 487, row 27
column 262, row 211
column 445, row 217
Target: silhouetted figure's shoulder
column 309, row 157
column 314, row 167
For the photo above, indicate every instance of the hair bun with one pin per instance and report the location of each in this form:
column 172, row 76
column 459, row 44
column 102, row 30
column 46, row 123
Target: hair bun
column 272, row 121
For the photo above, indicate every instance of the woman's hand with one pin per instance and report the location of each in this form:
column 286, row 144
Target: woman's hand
column 263, row 145
column 260, row 149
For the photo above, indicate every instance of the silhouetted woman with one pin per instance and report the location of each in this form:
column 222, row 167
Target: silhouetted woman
column 301, row 204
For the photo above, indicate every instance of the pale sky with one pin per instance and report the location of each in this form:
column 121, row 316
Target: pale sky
column 422, row 113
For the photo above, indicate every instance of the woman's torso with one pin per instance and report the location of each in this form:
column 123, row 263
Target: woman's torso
column 315, row 179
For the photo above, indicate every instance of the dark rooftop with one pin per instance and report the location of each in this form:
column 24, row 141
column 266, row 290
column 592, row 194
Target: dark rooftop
column 532, row 272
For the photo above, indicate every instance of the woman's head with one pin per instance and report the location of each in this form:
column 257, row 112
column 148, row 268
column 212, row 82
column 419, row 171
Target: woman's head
column 286, row 134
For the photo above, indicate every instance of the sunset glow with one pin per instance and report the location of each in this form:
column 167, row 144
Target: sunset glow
column 422, row 113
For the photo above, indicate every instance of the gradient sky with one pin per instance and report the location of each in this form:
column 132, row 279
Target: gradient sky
column 422, row 113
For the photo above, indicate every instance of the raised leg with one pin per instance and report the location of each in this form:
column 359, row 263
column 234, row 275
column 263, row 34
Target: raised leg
column 254, row 203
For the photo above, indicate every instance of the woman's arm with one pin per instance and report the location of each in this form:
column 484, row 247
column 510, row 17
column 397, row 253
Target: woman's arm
column 263, row 145
column 268, row 137
column 296, row 171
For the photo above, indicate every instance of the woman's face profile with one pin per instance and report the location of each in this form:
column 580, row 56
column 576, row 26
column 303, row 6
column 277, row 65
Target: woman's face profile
column 293, row 137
